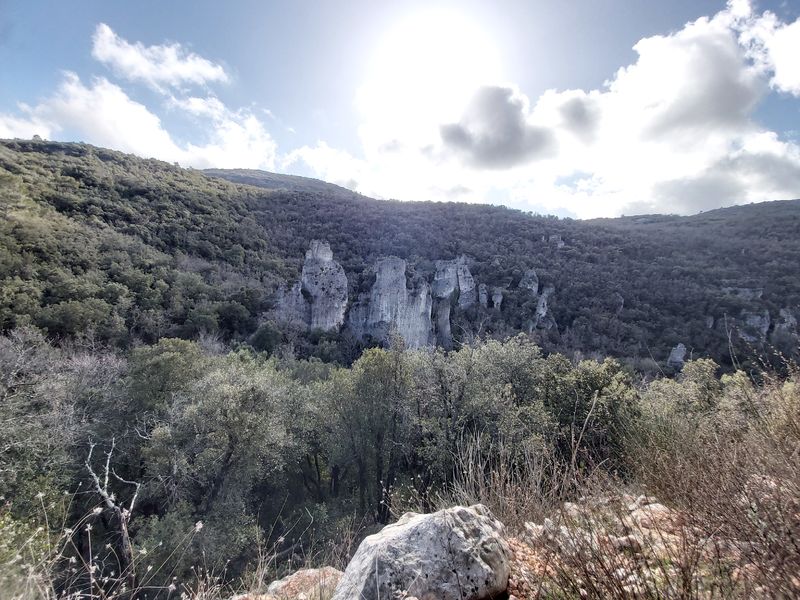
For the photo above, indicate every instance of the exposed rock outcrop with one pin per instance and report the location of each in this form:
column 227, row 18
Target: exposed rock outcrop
column 324, row 280
column 319, row 299
column 292, row 307
column 452, row 284
column 391, row 306
column 452, row 277
column 497, row 298
column 677, row 356
column 312, row 583
column 755, row 325
column 544, row 319
column 455, row 554
column 483, row 295
column 529, row 281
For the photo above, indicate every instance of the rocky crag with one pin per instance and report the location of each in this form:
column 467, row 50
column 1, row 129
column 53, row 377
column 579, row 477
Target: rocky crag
column 391, row 307
column 319, row 299
column 452, row 285
column 421, row 313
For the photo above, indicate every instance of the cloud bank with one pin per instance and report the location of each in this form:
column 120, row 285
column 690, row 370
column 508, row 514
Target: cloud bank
column 675, row 131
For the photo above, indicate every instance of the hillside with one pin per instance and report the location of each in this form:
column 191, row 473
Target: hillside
column 279, row 181
column 137, row 465
column 129, row 249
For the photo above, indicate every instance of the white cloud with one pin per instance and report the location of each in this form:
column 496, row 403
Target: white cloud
column 102, row 113
column 674, row 131
column 238, row 138
column 160, row 66
column 775, row 46
column 494, row 132
column 329, row 164
column 23, row 127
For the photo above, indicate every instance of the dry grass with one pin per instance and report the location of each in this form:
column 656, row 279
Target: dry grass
column 725, row 459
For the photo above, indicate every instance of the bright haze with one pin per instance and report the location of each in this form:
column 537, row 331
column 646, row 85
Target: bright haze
column 580, row 109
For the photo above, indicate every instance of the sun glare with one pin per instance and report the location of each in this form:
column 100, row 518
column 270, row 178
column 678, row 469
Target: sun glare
column 426, row 68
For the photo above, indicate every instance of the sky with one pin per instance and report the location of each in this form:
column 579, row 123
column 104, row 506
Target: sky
column 587, row 108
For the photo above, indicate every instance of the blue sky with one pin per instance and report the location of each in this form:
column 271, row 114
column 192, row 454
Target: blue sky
column 591, row 108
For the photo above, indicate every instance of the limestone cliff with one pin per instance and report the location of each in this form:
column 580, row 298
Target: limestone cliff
column 323, row 279
column 319, row 299
column 292, row 307
column 452, row 284
column 391, row 306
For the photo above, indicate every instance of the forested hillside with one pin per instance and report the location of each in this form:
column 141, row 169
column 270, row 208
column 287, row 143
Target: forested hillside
column 135, row 464
column 98, row 243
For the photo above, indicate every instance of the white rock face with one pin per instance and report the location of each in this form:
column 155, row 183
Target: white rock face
column 542, row 313
column 319, row 299
column 466, row 285
column 324, row 280
column 542, row 317
column 555, row 239
column 677, row 356
column 455, row 554
column 454, row 276
column 445, row 280
column 530, row 281
column 452, row 280
column 497, row 298
column 391, row 306
column 292, row 307
column 483, row 295
column 444, row 334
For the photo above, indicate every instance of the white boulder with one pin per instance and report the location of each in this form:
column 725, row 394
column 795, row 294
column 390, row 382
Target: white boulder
column 455, row 554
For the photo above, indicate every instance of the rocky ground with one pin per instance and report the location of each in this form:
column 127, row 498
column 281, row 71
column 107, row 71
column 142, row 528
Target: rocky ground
column 607, row 547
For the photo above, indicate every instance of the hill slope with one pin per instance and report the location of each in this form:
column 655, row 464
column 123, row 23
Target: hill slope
column 96, row 240
column 279, row 181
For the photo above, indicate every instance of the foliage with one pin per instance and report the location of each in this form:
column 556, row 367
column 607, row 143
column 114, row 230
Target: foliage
column 99, row 244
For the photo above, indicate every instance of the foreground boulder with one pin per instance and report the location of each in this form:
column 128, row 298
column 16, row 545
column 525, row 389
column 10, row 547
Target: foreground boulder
column 455, row 554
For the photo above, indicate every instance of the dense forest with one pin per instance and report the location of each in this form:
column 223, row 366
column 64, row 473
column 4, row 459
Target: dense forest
column 127, row 251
